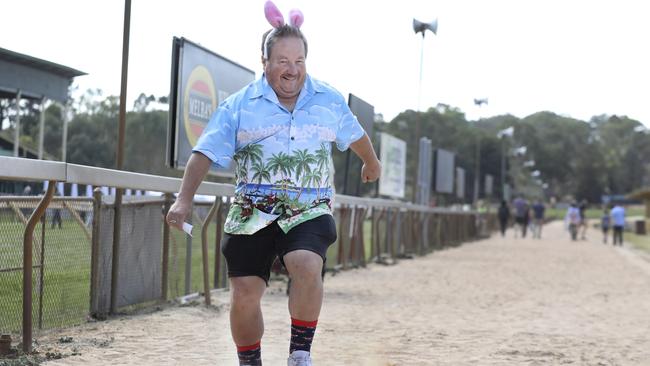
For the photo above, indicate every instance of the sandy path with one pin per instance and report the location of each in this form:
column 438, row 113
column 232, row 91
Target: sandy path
column 492, row 302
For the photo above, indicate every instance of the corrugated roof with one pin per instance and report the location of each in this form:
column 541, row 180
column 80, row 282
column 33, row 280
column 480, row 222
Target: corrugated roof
column 39, row 64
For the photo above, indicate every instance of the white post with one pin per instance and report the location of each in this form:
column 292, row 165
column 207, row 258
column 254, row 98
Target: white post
column 41, row 129
column 17, row 131
column 64, row 144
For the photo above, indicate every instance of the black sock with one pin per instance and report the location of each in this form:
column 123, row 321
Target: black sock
column 250, row 355
column 302, row 334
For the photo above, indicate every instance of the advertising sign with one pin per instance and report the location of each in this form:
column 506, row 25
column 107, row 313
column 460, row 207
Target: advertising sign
column 393, row 170
column 200, row 80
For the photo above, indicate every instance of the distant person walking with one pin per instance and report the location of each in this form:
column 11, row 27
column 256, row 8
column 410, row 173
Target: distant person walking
column 618, row 219
column 605, row 223
column 583, row 219
column 504, row 215
column 572, row 220
column 56, row 216
column 522, row 215
column 538, row 219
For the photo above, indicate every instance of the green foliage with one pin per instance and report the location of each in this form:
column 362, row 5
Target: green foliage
column 606, row 155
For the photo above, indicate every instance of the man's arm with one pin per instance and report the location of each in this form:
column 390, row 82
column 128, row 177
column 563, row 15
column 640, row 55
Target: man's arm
column 196, row 169
column 371, row 169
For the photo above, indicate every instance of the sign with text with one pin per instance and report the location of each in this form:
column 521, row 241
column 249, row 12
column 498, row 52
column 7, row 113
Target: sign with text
column 200, row 80
column 460, row 182
column 393, row 170
column 444, row 171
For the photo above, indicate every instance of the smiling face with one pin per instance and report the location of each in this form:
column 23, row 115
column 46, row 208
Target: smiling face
column 285, row 69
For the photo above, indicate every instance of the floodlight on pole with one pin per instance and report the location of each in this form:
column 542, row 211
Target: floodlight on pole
column 477, row 173
column 420, row 27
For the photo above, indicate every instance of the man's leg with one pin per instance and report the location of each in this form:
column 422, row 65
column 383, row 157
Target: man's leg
column 619, row 230
column 305, row 297
column 246, row 322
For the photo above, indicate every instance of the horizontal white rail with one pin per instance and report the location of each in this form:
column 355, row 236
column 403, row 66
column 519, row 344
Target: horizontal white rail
column 40, row 170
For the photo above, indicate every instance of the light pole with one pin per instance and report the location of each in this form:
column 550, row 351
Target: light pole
column 502, row 134
column 420, row 27
column 477, row 176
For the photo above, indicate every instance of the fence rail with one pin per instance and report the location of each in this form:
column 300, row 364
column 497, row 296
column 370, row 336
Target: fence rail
column 155, row 263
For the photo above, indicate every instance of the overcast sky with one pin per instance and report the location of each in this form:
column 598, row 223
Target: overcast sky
column 576, row 58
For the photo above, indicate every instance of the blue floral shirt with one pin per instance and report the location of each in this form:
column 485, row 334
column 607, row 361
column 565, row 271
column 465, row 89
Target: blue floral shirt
column 282, row 158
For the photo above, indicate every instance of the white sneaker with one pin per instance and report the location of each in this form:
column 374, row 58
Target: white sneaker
column 299, row 358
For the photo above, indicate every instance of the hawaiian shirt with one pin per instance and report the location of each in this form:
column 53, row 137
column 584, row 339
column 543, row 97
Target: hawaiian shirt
column 282, row 158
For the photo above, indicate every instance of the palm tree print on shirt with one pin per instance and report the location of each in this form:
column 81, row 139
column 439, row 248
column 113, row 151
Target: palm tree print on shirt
column 298, row 172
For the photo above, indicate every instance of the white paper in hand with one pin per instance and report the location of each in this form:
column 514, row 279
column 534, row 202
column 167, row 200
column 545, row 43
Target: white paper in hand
column 187, row 228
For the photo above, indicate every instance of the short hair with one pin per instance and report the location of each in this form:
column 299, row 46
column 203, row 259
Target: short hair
column 272, row 35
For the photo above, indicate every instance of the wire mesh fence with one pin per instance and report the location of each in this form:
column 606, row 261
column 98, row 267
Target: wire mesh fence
column 61, row 257
column 185, row 254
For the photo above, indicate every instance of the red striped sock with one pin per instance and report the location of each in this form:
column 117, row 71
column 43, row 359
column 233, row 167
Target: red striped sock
column 302, row 334
column 250, row 355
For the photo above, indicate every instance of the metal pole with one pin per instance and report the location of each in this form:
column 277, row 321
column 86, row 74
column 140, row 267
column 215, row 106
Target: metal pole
column 204, row 248
column 125, row 72
column 17, row 128
column 417, row 125
column 420, row 80
column 94, row 257
column 165, row 248
column 41, row 277
column 41, row 129
column 188, row 258
column 120, row 156
column 27, row 266
column 115, row 260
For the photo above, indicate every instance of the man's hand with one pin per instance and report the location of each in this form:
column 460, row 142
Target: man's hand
column 371, row 169
column 370, row 172
column 197, row 167
column 177, row 214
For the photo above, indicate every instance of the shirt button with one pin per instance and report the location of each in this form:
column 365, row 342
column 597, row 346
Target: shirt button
column 293, row 138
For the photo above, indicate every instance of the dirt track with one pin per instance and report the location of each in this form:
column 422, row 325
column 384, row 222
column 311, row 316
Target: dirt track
column 493, row 302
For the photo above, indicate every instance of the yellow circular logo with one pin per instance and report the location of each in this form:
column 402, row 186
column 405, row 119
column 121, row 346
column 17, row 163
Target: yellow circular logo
column 199, row 101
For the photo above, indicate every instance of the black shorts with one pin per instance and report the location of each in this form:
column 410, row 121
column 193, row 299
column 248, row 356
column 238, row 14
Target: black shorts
column 253, row 255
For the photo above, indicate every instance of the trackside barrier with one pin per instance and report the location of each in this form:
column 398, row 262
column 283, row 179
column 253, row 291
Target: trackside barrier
column 156, row 263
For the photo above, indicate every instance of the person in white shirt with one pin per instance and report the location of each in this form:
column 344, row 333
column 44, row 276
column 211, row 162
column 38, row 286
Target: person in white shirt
column 572, row 220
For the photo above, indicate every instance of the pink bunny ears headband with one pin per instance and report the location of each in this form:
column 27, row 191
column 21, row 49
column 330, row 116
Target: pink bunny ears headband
column 275, row 18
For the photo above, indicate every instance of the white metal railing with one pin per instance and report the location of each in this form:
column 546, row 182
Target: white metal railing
column 39, row 170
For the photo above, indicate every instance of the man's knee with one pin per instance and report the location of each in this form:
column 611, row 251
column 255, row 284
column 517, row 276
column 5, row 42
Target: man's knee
column 247, row 290
column 304, row 265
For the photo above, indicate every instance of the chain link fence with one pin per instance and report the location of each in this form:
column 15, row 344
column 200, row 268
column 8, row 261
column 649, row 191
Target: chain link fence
column 61, row 257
